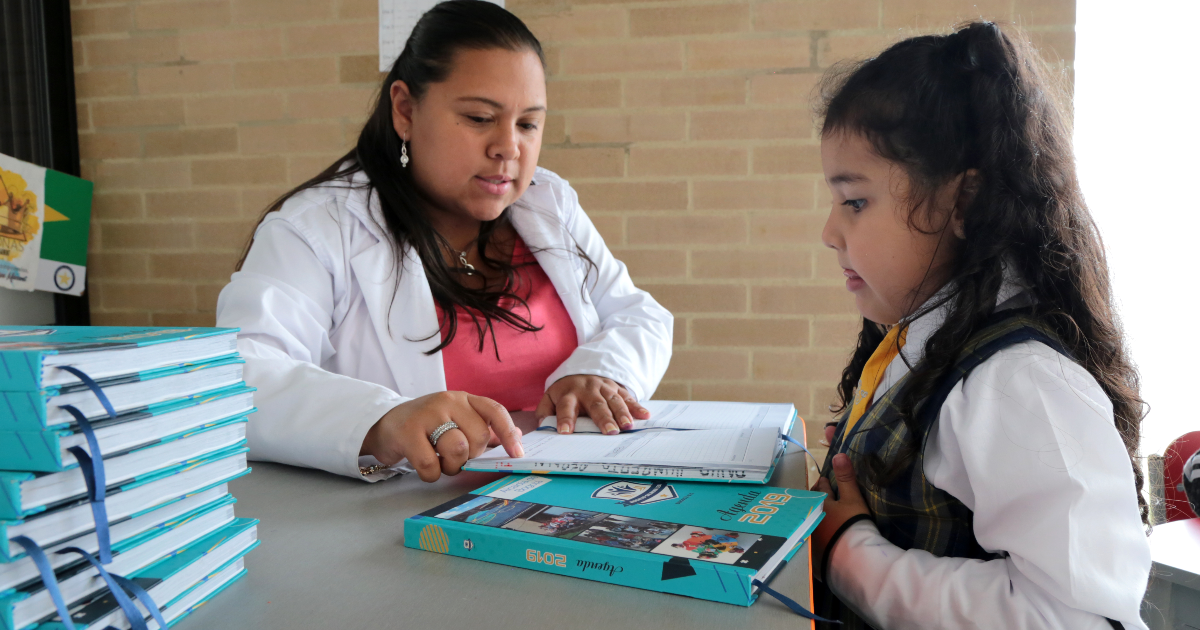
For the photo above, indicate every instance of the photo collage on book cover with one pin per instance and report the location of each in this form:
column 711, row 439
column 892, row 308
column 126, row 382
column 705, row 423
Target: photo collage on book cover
column 721, row 546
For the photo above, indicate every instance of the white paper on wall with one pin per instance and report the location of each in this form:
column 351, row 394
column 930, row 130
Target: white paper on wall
column 396, row 21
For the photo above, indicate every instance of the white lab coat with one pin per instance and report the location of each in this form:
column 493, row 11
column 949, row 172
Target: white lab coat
column 1026, row 442
column 333, row 340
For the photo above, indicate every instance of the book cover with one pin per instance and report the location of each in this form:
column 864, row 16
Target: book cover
column 45, row 216
column 708, row 541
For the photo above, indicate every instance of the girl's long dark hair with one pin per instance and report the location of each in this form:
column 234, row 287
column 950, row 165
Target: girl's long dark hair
column 939, row 105
column 427, row 58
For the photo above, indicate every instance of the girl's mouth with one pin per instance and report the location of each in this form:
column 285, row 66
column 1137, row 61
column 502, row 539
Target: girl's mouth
column 494, row 184
column 853, row 281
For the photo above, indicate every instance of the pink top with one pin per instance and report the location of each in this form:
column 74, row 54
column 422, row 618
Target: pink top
column 518, row 379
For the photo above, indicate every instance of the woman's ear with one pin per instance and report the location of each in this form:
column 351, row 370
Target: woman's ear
column 402, row 109
column 968, row 187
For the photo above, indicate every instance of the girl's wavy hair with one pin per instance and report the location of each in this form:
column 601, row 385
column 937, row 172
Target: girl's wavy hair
column 939, row 105
column 428, row 57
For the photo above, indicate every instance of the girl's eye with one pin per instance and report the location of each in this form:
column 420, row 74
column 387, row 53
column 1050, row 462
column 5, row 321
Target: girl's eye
column 857, row 204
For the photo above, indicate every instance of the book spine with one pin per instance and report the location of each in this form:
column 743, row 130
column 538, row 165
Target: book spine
column 35, row 451
column 20, row 371
column 665, row 574
column 22, row 411
column 7, row 604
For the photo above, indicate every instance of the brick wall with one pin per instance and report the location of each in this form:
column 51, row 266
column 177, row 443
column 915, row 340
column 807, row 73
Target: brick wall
column 683, row 124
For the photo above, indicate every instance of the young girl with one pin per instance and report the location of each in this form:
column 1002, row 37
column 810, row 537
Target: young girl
column 436, row 256
column 983, row 473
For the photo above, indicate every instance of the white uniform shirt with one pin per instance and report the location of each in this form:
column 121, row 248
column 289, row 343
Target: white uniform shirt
column 333, row 340
column 1027, row 442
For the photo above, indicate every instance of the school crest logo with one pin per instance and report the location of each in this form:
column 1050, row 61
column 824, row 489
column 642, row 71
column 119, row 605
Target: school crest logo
column 636, row 492
column 18, row 215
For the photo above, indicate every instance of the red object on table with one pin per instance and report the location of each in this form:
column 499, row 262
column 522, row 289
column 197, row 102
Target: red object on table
column 1177, row 453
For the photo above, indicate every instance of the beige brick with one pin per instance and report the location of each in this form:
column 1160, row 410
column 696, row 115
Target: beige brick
column 841, row 333
column 292, row 138
column 142, row 174
column 797, row 394
column 325, row 39
column 632, row 196
column 229, row 237
column 1044, row 12
column 800, row 159
column 148, row 296
column 114, row 318
column 258, row 170
column 113, row 205
column 827, row 266
column 285, row 73
column 634, row 127
column 814, row 366
column 579, row 23
column 256, row 199
column 752, row 124
column 653, row 263
column 685, row 91
column 354, row 103
column 679, row 332
column 831, row 50
column 360, row 69
column 687, row 230
column 623, row 57
column 791, row 228
column 216, row 110
column 183, row 15
column 672, row 391
column 788, row 194
column 745, row 331
column 358, row 9
column 115, row 266
column 693, row 19
column 191, row 142
column 815, row 300
column 194, row 319
column 302, row 168
column 101, row 20
column 103, row 83
column 816, row 15
column 708, row 364
column 757, row 54
column 189, row 204
column 193, row 79
column 583, row 94
column 942, row 14
column 699, row 298
column 141, row 112
column 275, row 11
column 584, row 162
column 147, row 236
column 553, row 55
column 555, row 130
column 200, row 266
column 687, row 161
column 796, row 89
column 1054, row 45
column 752, row 264
column 109, row 145
column 120, row 52
column 206, row 294
column 83, row 116
column 226, row 44
column 611, row 227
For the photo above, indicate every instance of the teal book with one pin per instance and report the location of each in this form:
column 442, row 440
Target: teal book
column 23, row 495
column 30, row 356
column 213, row 558
column 42, row 409
column 47, row 450
column 702, row 540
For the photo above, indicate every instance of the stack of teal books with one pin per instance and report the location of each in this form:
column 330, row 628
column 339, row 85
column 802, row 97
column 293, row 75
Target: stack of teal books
column 117, row 446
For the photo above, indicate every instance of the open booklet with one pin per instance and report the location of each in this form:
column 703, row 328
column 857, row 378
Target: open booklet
column 702, row 441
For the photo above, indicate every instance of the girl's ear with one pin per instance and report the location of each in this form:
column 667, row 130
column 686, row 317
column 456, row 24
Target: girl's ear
column 402, row 109
column 968, row 187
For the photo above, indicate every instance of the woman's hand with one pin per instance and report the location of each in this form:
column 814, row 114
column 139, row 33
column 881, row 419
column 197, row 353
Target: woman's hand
column 849, row 503
column 608, row 404
column 404, row 432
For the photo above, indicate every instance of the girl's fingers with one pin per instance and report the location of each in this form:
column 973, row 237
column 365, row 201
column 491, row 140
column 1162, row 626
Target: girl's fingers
column 830, row 431
column 847, row 480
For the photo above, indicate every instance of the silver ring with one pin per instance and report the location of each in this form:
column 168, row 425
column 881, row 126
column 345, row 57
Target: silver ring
column 440, row 431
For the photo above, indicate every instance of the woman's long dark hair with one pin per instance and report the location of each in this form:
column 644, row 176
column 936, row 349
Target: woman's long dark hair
column 980, row 99
column 427, row 58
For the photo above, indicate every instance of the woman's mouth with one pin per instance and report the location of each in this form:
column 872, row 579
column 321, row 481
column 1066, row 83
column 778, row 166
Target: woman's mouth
column 853, row 281
column 494, row 184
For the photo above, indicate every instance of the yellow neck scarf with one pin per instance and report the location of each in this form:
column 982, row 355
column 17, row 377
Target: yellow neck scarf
column 872, row 373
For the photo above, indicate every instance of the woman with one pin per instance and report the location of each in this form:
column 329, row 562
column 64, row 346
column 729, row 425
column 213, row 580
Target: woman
column 436, row 256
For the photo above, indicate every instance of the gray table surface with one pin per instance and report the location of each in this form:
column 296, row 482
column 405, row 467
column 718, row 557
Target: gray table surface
column 333, row 556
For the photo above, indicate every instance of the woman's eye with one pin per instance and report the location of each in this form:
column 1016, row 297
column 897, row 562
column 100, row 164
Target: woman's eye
column 529, row 126
column 857, row 204
column 477, row 119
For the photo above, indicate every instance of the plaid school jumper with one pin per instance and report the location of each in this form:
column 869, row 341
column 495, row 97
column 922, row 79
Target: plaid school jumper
column 909, row 511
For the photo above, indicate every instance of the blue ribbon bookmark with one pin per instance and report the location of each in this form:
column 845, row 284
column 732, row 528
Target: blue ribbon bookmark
column 790, row 603
column 143, row 597
column 42, row 563
column 788, row 438
column 92, row 467
column 91, row 384
column 136, row 621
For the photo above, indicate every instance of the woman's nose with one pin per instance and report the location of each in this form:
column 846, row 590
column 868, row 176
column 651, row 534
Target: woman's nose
column 506, row 145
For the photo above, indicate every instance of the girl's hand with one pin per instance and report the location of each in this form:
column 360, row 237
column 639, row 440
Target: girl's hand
column 848, row 504
column 404, row 432
column 608, row 404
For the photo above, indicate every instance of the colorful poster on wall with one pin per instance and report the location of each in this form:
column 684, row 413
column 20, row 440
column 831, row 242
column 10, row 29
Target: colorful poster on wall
column 44, row 220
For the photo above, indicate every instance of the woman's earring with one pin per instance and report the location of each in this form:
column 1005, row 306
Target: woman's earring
column 403, row 154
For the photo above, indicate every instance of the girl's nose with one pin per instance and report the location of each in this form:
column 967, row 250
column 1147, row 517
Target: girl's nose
column 831, row 234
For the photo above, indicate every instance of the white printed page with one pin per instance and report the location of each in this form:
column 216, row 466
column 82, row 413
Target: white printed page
column 693, row 415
